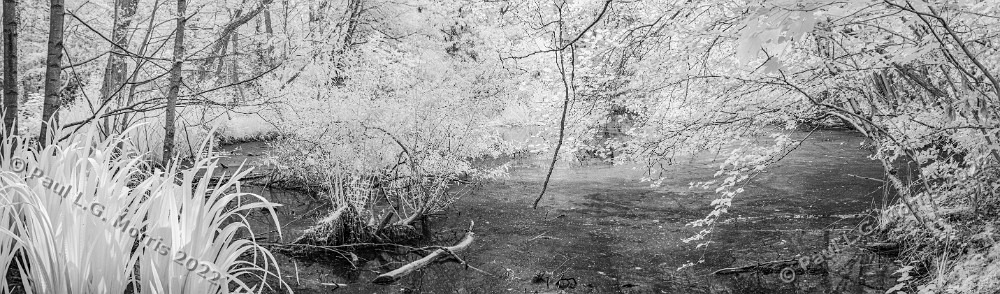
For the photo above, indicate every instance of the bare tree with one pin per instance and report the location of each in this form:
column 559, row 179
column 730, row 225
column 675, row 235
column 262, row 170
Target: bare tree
column 53, row 68
column 116, row 72
column 10, row 66
column 175, row 84
column 228, row 33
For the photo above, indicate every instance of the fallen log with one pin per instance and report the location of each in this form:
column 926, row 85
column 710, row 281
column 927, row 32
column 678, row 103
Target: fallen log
column 440, row 255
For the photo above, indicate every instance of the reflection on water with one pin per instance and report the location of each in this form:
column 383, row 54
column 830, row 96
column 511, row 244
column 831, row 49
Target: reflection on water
column 607, row 233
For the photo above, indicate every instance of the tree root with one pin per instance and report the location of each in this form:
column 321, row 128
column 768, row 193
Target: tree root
column 345, row 226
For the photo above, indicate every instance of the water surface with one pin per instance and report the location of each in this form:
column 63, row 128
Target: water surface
column 600, row 230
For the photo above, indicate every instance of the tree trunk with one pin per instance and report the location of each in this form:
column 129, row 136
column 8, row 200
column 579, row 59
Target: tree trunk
column 235, row 75
column 10, row 67
column 175, row 84
column 53, row 67
column 267, row 21
column 354, row 10
column 226, row 34
column 116, row 71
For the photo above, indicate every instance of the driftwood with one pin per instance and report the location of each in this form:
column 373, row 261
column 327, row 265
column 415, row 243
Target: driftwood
column 442, row 254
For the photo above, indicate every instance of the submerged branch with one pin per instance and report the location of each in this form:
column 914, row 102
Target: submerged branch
column 440, row 255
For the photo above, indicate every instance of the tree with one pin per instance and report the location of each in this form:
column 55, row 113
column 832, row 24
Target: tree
column 229, row 32
column 10, row 66
column 116, row 72
column 53, row 69
column 175, row 84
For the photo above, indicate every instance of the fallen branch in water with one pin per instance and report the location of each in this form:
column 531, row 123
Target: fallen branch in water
column 442, row 254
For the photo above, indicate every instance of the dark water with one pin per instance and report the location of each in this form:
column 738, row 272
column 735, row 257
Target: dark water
column 599, row 230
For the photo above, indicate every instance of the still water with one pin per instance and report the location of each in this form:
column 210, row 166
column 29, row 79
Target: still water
column 600, row 230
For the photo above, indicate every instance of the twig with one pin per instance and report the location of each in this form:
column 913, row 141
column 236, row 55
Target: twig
column 867, row 178
column 542, row 236
column 480, row 271
column 335, row 285
column 466, row 264
column 600, row 15
column 296, row 265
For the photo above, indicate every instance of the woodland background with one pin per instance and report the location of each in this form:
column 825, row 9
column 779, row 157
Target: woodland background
column 413, row 94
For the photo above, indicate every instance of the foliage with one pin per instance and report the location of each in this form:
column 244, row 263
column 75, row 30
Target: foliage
column 918, row 78
column 88, row 243
column 409, row 114
column 201, row 220
column 359, row 92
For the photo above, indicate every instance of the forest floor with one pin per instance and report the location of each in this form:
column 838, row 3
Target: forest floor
column 600, row 230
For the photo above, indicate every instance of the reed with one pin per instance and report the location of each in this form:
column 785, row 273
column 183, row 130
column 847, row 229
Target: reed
column 89, row 216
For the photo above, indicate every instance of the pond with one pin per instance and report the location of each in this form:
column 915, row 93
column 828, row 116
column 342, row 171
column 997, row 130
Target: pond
column 600, row 230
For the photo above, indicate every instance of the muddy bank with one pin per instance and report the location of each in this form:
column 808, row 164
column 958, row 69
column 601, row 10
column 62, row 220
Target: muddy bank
column 599, row 230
